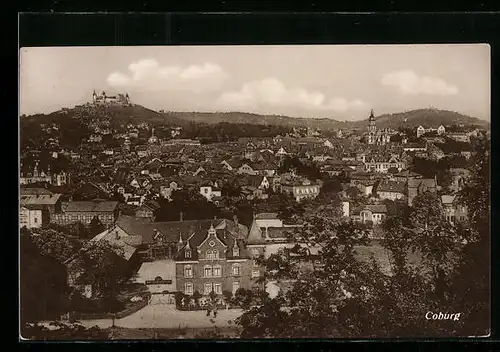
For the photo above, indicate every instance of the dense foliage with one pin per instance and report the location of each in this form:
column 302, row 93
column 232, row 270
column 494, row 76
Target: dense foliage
column 342, row 296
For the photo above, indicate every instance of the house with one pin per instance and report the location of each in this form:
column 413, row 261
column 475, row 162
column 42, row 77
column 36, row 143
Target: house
column 329, row 144
column 459, row 178
column 404, row 176
column 441, row 130
column 33, row 216
column 372, row 213
column 420, row 131
column 345, row 209
column 392, row 190
column 210, row 192
column 40, row 198
column 281, row 152
column 147, row 210
column 300, row 190
column 382, row 164
column 454, row 212
column 412, row 147
column 258, row 182
column 231, row 165
column 418, row 186
column 247, row 169
column 266, row 220
column 364, row 181
column 95, row 138
column 264, row 168
column 142, row 151
column 459, row 137
column 84, row 211
column 214, row 260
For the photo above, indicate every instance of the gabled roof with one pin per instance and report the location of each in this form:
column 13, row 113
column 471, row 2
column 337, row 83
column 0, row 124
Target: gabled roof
column 426, row 182
column 255, row 235
column 45, row 199
column 374, row 208
column 171, row 230
column 91, row 206
column 266, row 216
column 447, row 199
column 34, row 191
column 391, row 186
column 127, row 244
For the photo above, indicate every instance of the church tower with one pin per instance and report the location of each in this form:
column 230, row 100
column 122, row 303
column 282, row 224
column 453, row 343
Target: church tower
column 94, row 97
column 372, row 128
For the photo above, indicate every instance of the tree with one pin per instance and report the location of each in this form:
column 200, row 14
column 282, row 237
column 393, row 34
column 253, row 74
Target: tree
column 63, row 331
column 196, row 296
column 433, row 235
column 470, row 283
column 95, row 227
column 228, row 295
column 103, row 265
column 42, row 285
column 243, row 298
column 55, row 244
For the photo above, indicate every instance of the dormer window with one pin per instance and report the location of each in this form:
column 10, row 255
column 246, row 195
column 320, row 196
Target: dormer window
column 236, row 252
column 188, row 253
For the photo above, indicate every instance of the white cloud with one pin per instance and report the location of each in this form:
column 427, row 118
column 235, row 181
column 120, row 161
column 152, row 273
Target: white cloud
column 149, row 74
column 271, row 92
column 409, row 82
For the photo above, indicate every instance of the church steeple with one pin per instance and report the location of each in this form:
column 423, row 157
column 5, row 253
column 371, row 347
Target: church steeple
column 371, row 123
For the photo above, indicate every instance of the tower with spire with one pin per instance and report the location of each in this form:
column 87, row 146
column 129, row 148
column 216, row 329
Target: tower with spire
column 372, row 128
column 153, row 139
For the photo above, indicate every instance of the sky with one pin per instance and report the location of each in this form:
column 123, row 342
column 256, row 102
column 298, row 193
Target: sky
column 342, row 82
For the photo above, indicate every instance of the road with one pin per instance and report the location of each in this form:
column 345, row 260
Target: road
column 167, row 316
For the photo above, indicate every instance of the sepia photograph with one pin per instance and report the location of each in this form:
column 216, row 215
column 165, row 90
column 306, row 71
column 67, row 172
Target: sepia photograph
column 254, row 192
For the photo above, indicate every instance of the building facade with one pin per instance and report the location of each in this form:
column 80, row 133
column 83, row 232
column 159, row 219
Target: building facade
column 214, row 261
column 85, row 211
column 306, row 190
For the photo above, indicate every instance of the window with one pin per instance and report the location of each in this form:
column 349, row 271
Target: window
column 188, row 288
column 218, row 289
column 208, row 288
column 236, row 269
column 255, row 272
column 212, row 254
column 236, row 286
column 36, row 220
column 188, row 253
column 216, row 271
column 462, row 218
column 255, row 252
column 207, row 271
column 188, row 271
column 236, row 252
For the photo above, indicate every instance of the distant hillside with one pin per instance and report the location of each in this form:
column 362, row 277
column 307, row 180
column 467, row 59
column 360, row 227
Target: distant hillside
column 424, row 117
column 410, row 119
column 414, row 118
column 256, row 119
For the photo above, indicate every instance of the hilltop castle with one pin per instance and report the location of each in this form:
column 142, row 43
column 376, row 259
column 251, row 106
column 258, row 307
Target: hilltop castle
column 103, row 99
column 374, row 135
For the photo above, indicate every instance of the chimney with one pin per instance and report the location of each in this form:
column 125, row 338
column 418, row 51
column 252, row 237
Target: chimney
column 180, row 216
